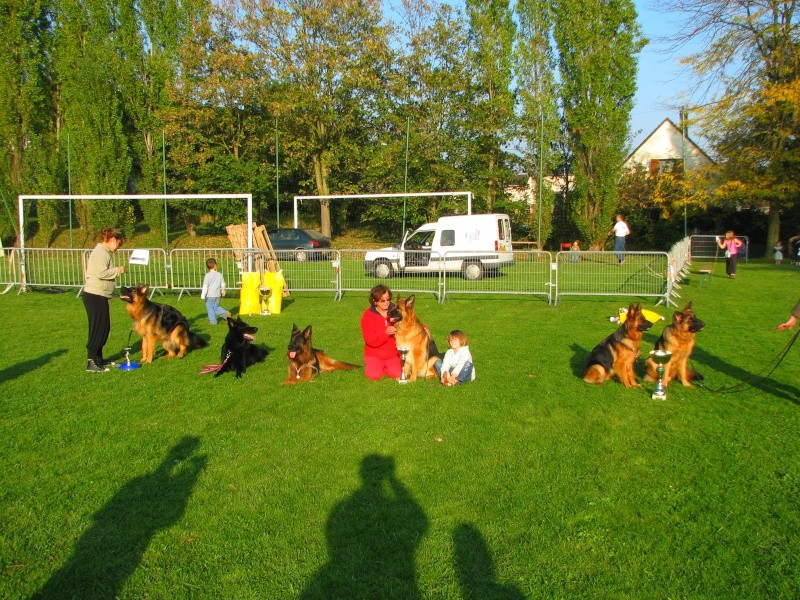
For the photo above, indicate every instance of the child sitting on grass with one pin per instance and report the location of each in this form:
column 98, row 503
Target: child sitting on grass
column 457, row 365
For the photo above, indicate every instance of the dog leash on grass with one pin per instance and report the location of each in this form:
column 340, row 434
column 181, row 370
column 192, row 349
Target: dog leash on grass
column 215, row 368
column 748, row 383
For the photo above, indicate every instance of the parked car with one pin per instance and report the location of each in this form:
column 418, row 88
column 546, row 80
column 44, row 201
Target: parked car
column 299, row 240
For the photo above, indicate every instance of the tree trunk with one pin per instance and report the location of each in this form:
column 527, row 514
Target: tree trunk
column 321, row 177
column 773, row 228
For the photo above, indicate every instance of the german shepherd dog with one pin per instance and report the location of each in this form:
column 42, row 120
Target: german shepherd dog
column 305, row 361
column 156, row 322
column 412, row 334
column 238, row 349
column 616, row 354
column 678, row 338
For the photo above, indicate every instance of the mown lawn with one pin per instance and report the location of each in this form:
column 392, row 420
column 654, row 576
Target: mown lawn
column 527, row 483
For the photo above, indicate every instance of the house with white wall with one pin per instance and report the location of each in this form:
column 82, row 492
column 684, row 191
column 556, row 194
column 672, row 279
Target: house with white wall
column 666, row 149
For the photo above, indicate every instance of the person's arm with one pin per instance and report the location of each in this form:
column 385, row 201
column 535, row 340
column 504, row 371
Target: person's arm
column 720, row 243
column 795, row 314
column 373, row 329
column 221, row 285
column 204, row 291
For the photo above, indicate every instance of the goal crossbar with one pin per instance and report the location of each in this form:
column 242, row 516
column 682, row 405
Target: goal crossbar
column 468, row 195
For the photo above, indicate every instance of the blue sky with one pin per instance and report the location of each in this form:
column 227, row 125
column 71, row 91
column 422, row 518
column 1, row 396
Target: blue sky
column 662, row 83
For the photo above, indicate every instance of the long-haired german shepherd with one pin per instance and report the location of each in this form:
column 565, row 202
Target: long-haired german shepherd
column 678, row 338
column 616, row 354
column 238, row 350
column 305, row 361
column 156, row 322
column 412, row 334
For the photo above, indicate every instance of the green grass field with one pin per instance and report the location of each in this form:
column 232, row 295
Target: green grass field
column 527, row 483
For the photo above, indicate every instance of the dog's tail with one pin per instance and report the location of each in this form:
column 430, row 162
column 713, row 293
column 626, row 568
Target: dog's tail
column 342, row 366
column 196, row 341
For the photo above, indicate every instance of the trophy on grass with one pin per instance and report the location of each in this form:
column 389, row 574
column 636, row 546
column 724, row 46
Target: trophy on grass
column 128, row 365
column 403, row 353
column 660, row 357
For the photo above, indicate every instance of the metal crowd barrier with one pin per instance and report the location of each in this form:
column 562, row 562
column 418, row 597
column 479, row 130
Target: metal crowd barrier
column 529, row 274
column 532, row 273
column 590, row 273
column 705, row 247
column 8, row 268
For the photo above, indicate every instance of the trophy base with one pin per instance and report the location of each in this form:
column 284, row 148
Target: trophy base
column 402, row 381
column 659, row 395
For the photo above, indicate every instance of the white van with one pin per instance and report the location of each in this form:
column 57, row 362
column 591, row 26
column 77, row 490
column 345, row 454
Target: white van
column 471, row 244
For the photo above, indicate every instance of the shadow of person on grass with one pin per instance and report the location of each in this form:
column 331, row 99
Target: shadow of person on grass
column 372, row 536
column 23, row 367
column 475, row 568
column 741, row 378
column 111, row 549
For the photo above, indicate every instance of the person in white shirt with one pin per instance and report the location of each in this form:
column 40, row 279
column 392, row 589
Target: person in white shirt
column 620, row 231
column 456, row 367
column 213, row 290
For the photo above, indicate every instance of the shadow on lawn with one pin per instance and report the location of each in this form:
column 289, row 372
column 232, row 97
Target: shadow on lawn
column 475, row 568
column 372, row 536
column 109, row 552
column 740, row 376
column 20, row 369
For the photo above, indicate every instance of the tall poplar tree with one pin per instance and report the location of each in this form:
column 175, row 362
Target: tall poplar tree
column 598, row 42
column 492, row 32
column 538, row 122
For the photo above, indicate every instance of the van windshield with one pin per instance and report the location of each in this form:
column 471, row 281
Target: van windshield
column 420, row 240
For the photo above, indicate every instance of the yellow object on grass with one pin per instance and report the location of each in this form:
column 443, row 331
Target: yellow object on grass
column 275, row 282
column 651, row 316
column 249, row 296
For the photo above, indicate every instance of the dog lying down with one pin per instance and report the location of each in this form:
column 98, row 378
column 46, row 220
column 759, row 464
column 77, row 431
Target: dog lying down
column 238, row 350
column 305, row 361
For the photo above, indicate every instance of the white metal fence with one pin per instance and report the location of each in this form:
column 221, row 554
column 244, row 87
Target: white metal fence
column 705, row 247
column 532, row 273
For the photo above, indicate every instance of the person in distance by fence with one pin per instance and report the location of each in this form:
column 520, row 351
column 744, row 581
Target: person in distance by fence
column 98, row 288
column 620, row 231
column 731, row 245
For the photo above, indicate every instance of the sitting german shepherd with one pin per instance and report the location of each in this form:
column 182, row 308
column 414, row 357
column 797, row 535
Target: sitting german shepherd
column 616, row 354
column 156, row 322
column 678, row 338
column 238, row 350
column 305, row 361
column 412, row 334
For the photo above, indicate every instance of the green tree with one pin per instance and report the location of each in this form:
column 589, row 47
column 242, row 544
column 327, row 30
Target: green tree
column 331, row 57
column 538, row 120
column 491, row 36
column 751, row 63
column 28, row 162
column 598, row 42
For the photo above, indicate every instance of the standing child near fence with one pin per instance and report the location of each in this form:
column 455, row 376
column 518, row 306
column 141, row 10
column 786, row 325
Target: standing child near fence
column 213, row 290
column 778, row 250
column 457, row 365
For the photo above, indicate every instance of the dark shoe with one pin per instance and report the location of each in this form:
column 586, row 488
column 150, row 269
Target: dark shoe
column 106, row 363
column 93, row 367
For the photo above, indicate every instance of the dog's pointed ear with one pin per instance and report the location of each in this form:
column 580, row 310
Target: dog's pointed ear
column 295, row 328
column 143, row 288
column 307, row 332
column 410, row 301
column 231, row 322
column 631, row 309
column 688, row 306
column 678, row 317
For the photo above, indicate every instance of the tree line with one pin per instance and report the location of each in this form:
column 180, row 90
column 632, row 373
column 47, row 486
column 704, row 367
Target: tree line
column 284, row 97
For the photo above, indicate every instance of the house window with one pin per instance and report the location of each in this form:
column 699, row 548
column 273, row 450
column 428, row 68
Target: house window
column 666, row 165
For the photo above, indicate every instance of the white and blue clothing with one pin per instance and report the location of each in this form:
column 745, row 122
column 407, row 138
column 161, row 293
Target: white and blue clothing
column 620, row 231
column 457, row 363
column 213, row 289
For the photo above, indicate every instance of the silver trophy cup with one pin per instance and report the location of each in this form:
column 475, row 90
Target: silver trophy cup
column 403, row 353
column 661, row 358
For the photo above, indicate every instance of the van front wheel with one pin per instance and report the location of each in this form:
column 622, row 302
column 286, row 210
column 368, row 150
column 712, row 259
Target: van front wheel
column 382, row 269
column 472, row 270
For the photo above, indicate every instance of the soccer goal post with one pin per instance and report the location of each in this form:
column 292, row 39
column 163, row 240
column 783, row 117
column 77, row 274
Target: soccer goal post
column 467, row 195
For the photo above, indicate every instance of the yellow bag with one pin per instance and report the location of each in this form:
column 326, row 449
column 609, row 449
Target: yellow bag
column 248, row 297
column 275, row 282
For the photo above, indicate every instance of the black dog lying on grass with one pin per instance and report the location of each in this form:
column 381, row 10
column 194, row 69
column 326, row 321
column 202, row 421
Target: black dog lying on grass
column 238, row 350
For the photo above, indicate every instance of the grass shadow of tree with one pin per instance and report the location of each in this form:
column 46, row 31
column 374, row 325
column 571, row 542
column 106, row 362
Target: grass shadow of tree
column 26, row 366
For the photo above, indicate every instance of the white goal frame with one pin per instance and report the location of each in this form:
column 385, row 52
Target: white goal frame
column 378, row 196
column 22, row 198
